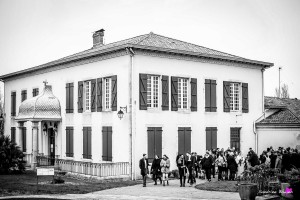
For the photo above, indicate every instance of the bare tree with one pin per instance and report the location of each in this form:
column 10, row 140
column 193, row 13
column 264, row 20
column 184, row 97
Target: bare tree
column 284, row 91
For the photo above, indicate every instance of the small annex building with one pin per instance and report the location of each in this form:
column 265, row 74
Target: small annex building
column 147, row 94
column 280, row 124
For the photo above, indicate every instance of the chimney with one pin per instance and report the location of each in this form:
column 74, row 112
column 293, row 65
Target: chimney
column 98, row 38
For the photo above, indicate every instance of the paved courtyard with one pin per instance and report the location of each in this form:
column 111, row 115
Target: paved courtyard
column 151, row 192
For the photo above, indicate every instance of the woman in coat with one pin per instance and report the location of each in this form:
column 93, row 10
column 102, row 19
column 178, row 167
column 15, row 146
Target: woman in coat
column 181, row 169
column 165, row 169
column 155, row 169
column 206, row 165
column 232, row 166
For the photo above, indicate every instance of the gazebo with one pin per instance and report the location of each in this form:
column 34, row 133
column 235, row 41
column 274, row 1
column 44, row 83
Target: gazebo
column 44, row 108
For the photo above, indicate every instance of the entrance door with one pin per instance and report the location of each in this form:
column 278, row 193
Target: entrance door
column 51, row 145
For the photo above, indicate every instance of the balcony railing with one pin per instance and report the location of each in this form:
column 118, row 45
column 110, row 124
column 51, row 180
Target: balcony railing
column 87, row 168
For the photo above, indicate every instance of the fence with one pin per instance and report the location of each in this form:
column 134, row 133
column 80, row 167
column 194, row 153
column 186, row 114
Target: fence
column 87, row 168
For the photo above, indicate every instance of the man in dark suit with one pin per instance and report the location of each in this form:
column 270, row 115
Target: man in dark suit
column 144, row 168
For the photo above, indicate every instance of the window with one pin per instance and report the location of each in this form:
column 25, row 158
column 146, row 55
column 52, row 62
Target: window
column 210, row 95
column 152, row 91
column 234, row 96
column 87, row 142
column 69, row 142
column 184, row 140
column 13, row 103
column 211, row 138
column 13, row 134
column 23, row 138
column 87, row 95
column 154, row 142
column 35, row 92
column 107, row 93
column 107, row 143
column 182, row 93
column 23, row 95
column 235, row 138
column 69, row 97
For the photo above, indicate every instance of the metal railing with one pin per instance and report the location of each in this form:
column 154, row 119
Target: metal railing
column 87, row 168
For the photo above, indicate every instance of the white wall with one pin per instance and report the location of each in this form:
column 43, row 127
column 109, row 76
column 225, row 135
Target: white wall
column 277, row 137
column 118, row 66
column 198, row 121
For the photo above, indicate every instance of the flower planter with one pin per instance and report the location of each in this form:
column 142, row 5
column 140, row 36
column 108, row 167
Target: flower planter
column 248, row 191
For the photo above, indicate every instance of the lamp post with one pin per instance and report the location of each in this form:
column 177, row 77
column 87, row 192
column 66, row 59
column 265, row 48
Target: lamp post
column 121, row 112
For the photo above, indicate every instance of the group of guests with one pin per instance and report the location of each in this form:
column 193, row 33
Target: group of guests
column 229, row 164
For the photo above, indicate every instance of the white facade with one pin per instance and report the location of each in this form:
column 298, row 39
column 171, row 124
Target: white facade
column 129, row 135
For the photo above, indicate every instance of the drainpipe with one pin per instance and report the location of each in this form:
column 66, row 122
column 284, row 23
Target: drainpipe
column 132, row 116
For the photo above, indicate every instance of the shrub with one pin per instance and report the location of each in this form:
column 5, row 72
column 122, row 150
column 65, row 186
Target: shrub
column 11, row 157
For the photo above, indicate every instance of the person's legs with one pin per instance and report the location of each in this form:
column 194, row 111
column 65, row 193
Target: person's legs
column 164, row 178
column 190, row 175
column 219, row 173
column 144, row 180
column 226, row 173
column 167, row 178
column 213, row 171
column 208, row 174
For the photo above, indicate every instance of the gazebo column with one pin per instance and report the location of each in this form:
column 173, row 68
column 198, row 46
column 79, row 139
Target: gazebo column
column 34, row 144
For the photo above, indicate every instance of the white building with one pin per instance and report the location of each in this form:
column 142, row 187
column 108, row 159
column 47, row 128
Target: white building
column 176, row 97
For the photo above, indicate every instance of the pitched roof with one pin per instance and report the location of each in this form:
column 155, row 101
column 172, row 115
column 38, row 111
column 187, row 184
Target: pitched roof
column 149, row 41
column 282, row 116
column 292, row 104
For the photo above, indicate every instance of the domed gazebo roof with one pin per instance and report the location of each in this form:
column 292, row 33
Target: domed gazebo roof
column 42, row 107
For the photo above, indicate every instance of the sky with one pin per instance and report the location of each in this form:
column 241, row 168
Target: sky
column 34, row 32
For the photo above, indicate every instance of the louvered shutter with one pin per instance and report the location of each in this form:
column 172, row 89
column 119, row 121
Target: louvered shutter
column 181, row 142
column 208, row 138
column 158, row 141
column 187, row 139
column 109, row 143
column 214, row 138
column 114, row 96
column 193, row 94
column 207, row 95
column 13, row 103
column 89, row 143
column 67, row 142
column 71, row 142
column 99, row 95
column 151, row 143
column 143, row 91
column 85, row 138
column 226, row 96
column 165, row 92
column 104, row 144
column 80, row 96
column 245, row 98
column 174, row 93
column 23, row 95
column 213, row 96
column 93, row 95
column 69, row 97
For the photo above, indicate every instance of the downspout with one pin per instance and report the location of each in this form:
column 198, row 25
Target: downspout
column 263, row 110
column 132, row 117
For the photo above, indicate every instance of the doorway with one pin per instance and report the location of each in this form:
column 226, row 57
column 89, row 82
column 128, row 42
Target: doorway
column 51, row 134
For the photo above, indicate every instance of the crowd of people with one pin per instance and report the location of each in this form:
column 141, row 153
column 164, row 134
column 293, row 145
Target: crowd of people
column 226, row 164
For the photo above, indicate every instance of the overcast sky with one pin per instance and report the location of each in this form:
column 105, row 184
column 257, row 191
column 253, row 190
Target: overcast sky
column 33, row 32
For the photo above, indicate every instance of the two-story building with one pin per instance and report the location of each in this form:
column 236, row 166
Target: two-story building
column 147, row 94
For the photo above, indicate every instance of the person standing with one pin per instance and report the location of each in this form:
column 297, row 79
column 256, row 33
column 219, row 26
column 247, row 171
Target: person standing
column 213, row 167
column 190, row 162
column 155, row 169
column 165, row 169
column 144, row 168
column 206, row 164
column 181, row 169
column 232, row 166
column 220, row 162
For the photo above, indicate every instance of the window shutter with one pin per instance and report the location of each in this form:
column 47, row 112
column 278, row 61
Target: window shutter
column 84, row 154
column 13, row 103
column 208, row 138
column 67, row 142
column 99, row 94
column 89, row 143
column 226, row 96
column 104, row 144
column 174, row 93
column 80, row 96
column 71, row 142
column 23, row 95
column 114, row 96
column 193, row 94
column 165, row 92
column 187, row 139
column 158, row 141
column 143, row 91
column 213, row 96
column 69, row 97
column 214, row 138
column 35, row 92
column 181, row 142
column 93, row 95
column 151, row 143
column 109, row 143
column 24, row 139
column 13, row 134
column 207, row 95
column 245, row 98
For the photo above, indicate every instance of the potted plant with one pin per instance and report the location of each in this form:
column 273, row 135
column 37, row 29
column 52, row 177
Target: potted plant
column 290, row 184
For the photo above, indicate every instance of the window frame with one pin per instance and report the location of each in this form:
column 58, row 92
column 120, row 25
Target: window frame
column 153, row 93
column 85, row 95
column 233, row 104
column 107, row 95
column 180, row 93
